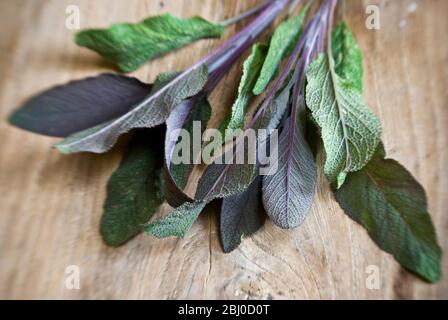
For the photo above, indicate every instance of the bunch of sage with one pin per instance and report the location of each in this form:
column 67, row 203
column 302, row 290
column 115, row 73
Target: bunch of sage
column 309, row 79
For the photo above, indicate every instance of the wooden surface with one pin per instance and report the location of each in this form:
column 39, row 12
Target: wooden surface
column 51, row 204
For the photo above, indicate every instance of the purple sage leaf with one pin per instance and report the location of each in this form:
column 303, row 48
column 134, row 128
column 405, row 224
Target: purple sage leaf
column 288, row 189
column 241, row 215
column 78, row 105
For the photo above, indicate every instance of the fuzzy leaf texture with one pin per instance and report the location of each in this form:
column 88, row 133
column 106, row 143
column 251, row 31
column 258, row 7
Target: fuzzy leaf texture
column 150, row 112
column 241, row 215
column 224, row 180
column 178, row 222
column 251, row 71
column 194, row 109
column 79, row 105
column 135, row 190
column 199, row 112
column 285, row 37
column 288, row 190
column 183, row 117
column 131, row 45
column 347, row 56
column 350, row 131
column 392, row 206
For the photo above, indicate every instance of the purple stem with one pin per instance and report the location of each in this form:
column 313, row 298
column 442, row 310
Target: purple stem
column 310, row 29
column 221, row 60
column 313, row 43
column 244, row 37
column 309, row 45
column 246, row 14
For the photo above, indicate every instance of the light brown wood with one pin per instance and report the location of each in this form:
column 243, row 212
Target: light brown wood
column 51, row 204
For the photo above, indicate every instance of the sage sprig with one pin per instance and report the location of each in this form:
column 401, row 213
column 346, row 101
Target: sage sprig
column 129, row 46
column 309, row 72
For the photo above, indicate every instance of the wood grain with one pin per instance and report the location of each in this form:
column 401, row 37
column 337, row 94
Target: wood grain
column 51, row 204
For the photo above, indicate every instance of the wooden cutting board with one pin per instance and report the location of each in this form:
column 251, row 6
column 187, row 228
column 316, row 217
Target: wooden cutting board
column 50, row 204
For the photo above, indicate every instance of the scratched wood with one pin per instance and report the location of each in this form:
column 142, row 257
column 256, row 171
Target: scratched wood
column 51, row 204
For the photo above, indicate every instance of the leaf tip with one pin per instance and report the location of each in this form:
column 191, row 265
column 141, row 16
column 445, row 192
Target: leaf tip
column 229, row 249
column 78, row 38
column 230, row 246
column 14, row 118
column 258, row 88
column 433, row 271
column 158, row 231
column 341, row 179
column 111, row 241
column 62, row 148
column 435, row 276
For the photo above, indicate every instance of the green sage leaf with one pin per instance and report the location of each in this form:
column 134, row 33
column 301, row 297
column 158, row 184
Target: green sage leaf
column 131, row 45
column 350, row 131
column 285, row 37
column 251, row 71
column 385, row 199
column 178, row 222
column 347, row 56
column 135, row 190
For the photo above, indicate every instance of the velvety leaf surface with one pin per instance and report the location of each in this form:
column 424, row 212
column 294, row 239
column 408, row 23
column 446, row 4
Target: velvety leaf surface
column 150, row 112
column 173, row 194
column 271, row 117
column 78, row 105
column 285, row 36
column 241, row 215
column 224, row 180
column 347, row 56
column 221, row 180
column 350, row 131
column 391, row 205
column 178, row 222
column 288, row 190
column 131, row 45
column 135, row 190
column 251, row 71
column 184, row 117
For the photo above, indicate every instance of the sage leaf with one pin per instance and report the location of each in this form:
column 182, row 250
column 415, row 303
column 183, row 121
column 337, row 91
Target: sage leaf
column 347, row 56
column 251, row 71
column 135, row 190
column 241, row 215
column 131, row 45
column 79, row 105
column 289, row 187
column 195, row 110
column 150, row 112
column 163, row 79
column 183, row 117
column 178, row 222
column 285, row 37
column 173, row 194
column 271, row 117
column 221, row 179
column 350, row 131
column 386, row 200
